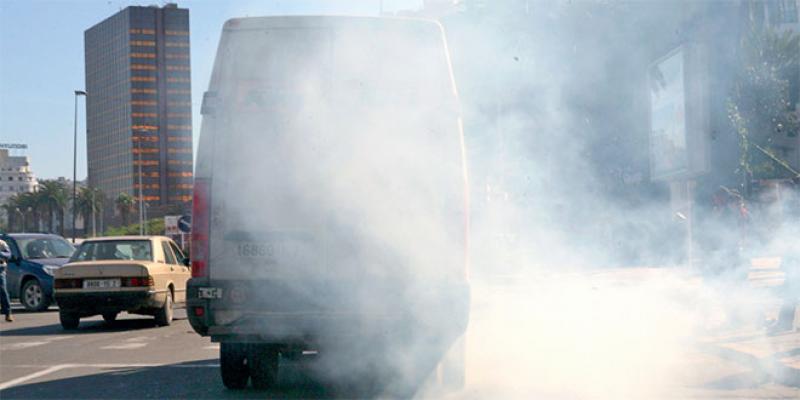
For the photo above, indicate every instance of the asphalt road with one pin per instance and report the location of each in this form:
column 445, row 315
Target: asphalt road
column 620, row 335
column 131, row 359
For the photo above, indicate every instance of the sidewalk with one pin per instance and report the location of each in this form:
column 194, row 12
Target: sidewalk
column 776, row 357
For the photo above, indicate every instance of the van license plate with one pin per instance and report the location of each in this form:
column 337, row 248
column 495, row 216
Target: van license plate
column 101, row 283
column 209, row 293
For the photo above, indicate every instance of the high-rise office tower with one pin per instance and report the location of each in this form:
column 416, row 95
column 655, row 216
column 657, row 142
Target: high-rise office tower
column 138, row 106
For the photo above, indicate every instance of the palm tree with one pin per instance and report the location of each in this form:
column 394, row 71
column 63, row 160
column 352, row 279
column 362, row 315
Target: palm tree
column 60, row 200
column 10, row 208
column 29, row 204
column 53, row 196
column 124, row 203
column 90, row 202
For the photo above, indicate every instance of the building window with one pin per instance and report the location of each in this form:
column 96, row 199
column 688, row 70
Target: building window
column 177, row 68
column 143, row 79
column 143, row 67
column 142, row 31
column 143, row 43
column 143, row 55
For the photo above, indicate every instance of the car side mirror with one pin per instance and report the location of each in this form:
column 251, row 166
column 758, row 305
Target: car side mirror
column 187, row 262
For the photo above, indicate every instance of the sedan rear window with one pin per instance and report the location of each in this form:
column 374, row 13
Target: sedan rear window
column 114, row 250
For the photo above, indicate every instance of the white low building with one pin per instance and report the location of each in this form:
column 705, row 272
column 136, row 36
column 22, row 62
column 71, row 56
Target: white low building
column 15, row 176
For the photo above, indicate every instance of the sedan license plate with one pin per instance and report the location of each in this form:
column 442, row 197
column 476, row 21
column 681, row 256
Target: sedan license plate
column 101, row 283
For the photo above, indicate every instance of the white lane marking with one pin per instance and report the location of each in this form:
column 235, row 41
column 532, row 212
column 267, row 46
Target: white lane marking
column 139, row 339
column 22, row 379
column 25, row 345
column 54, row 338
column 54, row 368
column 120, row 366
column 124, row 346
column 20, row 346
column 212, row 347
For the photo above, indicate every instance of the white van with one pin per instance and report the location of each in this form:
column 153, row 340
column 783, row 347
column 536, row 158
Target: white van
column 330, row 207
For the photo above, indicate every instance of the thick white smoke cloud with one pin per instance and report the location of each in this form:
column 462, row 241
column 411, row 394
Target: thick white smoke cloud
column 361, row 165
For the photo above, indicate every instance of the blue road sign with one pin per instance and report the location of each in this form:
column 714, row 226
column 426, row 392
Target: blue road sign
column 185, row 224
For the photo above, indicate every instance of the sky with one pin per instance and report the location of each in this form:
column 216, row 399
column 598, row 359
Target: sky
column 41, row 63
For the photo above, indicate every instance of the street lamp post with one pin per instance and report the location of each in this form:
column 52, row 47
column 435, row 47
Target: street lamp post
column 139, row 173
column 75, row 161
column 142, row 205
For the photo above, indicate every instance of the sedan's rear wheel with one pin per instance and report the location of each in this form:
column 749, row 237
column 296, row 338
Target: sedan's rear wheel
column 164, row 314
column 33, row 297
column 233, row 365
column 110, row 317
column 69, row 320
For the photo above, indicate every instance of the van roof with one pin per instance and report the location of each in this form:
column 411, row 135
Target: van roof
column 294, row 21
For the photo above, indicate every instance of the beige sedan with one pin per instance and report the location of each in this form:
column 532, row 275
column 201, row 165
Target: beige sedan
column 138, row 274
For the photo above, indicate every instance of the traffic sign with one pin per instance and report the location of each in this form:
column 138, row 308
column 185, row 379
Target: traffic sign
column 185, row 224
column 170, row 225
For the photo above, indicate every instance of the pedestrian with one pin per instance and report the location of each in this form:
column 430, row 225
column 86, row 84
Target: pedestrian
column 5, row 302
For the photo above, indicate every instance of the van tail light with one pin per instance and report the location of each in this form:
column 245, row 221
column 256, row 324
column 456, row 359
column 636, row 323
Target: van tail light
column 201, row 210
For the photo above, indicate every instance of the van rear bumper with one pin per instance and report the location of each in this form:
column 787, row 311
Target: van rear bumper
column 281, row 316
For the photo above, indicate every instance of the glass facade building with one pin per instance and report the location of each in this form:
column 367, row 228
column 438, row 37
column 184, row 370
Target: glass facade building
column 138, row 105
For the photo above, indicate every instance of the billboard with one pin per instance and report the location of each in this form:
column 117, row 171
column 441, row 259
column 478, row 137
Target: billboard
column 669, row 157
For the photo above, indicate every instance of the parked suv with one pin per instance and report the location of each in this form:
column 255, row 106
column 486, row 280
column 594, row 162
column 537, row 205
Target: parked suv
column 34, row 259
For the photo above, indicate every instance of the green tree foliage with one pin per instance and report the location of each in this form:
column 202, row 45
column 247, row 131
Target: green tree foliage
column 124, row 204
column 155, row 226
column 760, row 108
column 90, row 203
column 53, row 196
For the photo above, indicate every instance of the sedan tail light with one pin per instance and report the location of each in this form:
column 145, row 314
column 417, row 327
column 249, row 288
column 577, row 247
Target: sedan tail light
column 73, row 283
column 138, row 281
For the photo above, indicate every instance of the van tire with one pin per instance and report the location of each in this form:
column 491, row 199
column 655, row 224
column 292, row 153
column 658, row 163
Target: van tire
column 263, row 361
column 164, row 314
column 232, row 365
column 69, row 320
